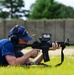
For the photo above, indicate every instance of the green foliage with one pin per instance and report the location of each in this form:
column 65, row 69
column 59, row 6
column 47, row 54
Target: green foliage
column 50, row 9
column 4, row 15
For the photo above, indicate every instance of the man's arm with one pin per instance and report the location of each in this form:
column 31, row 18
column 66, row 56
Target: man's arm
column 12, row 60
column 38, row 59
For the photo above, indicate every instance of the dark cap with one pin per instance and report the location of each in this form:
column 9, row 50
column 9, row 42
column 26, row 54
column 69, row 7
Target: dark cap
column 20, row 32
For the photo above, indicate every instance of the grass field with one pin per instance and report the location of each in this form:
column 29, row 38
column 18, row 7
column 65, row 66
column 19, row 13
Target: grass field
column 67, row 68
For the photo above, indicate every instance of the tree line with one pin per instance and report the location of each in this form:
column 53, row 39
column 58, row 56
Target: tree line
column 41, row 9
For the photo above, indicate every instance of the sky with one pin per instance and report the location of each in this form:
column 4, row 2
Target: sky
column 28, row 3
column 65, row 2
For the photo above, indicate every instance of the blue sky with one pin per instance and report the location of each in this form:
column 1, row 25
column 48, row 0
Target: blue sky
column 66, row 2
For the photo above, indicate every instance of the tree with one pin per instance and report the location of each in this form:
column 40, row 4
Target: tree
column 49, row 9
column 15, row 7
column 4, row 14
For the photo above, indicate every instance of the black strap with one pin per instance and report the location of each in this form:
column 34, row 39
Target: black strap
column 62, row 58
column 63, row 45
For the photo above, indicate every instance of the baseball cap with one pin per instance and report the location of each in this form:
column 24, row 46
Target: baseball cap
column 20, row 32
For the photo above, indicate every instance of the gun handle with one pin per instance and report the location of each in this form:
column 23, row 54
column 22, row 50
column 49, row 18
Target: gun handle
column 45, row 55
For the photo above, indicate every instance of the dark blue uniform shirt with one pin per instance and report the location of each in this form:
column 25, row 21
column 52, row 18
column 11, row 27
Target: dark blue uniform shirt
column 7, row 48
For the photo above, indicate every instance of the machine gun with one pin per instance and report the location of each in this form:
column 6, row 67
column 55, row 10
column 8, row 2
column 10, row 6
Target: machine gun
column 44, row 44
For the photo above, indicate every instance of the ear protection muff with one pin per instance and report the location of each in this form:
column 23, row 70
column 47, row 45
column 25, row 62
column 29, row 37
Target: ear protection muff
column 14, row 37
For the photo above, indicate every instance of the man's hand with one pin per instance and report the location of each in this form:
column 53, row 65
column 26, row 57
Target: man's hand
column 34, row 52
column 54, row 46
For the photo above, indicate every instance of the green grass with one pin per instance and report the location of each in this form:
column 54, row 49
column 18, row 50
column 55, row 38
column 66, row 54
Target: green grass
column 69, row 46
column 67, row 68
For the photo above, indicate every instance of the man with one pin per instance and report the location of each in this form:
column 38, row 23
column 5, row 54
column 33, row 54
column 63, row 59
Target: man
column 10, row 56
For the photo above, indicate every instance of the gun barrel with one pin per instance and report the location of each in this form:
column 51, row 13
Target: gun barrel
column 71, row 44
